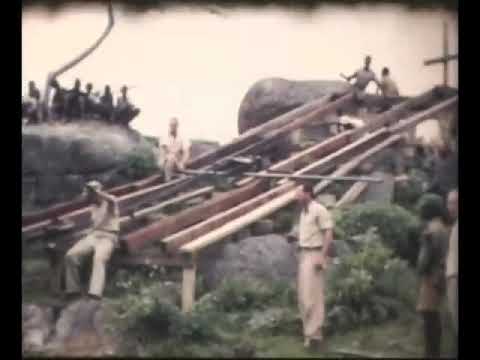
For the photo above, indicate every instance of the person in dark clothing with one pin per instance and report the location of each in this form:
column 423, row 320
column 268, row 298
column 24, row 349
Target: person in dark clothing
column 431, row 269
column 124, row 111
column 106, row 104
column 73, row 108
column 57, row 110
column 88, row 105
column 30, row 105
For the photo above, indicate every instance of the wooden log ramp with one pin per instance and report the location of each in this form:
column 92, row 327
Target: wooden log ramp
column 250, row 142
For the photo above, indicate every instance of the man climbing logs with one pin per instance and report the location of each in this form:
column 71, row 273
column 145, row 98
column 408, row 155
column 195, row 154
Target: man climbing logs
column 176, row 151
column 314, row 242
column 101, row 241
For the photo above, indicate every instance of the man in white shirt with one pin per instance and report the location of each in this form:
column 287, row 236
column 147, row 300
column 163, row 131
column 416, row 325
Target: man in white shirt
column 315, row 238
column 363, row 76
column 176, row 151
column 101, row 242
column 452, row 259
column 388, row 86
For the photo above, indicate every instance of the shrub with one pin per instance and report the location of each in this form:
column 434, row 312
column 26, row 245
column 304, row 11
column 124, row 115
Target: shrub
column 397, row 227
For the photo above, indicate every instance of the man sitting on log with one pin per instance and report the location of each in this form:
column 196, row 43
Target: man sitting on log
column 101, row 242
column 176, row 151
column 387, row 86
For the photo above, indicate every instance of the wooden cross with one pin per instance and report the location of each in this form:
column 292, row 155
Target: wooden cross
column 445, row 58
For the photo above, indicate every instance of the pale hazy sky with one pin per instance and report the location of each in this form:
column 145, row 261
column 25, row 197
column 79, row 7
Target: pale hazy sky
column 198, row 66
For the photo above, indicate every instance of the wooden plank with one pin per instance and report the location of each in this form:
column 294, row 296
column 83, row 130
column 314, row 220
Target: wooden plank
column 157, row 230
column 244, row 144
column 177, row 200
column 255, row 134
column 274, row 205
column 188, row 288
column 445, row 53
column 352, row 194
column 423, row 115
column 177, row 240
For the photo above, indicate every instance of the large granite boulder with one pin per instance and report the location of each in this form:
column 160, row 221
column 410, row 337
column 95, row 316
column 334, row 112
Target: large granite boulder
column 268, row 257
column 272, row 97
column 57, row 159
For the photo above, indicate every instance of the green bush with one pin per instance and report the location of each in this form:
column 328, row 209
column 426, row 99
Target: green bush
column 397, row 227
column 140, row 163
column 365, row 287
column 408, row 192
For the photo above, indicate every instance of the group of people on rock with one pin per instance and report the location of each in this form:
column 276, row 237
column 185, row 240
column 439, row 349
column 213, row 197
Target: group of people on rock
column 75, row 104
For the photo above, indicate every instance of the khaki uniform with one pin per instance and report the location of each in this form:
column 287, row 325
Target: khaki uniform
column 389, row 87
column 431, row 264
column 310, row 278
column 101, row 241
column 175, row 156
column 452, row 275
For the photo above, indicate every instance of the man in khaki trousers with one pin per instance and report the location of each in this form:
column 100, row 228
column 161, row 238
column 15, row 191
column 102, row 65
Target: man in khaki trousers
column 315, row 238
column 176, row 150
column 101, row 242
column 452, row 259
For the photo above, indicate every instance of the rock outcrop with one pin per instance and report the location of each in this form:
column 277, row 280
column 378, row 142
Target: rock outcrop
column 269, row 98
column 268, row 257
column 58, row 159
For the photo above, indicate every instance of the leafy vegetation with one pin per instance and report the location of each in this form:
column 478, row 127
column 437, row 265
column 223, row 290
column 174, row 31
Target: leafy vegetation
column 397, row 227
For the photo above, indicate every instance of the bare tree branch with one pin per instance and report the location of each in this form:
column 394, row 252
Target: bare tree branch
column 53, row 75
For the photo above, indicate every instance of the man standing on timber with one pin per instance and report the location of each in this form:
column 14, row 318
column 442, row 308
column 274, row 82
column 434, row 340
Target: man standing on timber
column 101, row 241
column 176, row 151
column 315, row 239
column 452, row 259
column 363, row 76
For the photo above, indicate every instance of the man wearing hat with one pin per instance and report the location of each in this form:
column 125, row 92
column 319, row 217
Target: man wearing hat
column 314, row 242
column 176, row 150
column 101, row 241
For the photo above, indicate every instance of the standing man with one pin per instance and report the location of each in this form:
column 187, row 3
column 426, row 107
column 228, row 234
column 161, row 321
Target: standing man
column 59, row 101
column 431, row 268
column 101, row 241
column 452, row 259
column 315, row 239
column 387, row 86
column 176, row 151
column 363, row 76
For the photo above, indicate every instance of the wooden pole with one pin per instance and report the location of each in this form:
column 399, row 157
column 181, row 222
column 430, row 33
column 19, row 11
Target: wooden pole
column 188, row 287
column 445, row 54
column 352, row 194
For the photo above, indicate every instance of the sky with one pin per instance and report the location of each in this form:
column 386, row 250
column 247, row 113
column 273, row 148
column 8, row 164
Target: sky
column 198, row 66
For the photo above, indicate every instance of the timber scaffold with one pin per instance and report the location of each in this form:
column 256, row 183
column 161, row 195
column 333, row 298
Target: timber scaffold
column 163, row 225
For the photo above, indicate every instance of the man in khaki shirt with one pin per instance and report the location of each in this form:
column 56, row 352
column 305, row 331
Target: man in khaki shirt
column 176, row 150
column 452, row 259
column 101, row 241
column 315, row 238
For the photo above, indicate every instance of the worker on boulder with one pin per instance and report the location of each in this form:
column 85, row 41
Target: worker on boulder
column 362, row 77
column 176, row 151
column 57, row 110
column 88, row 102
column 314, row 246
column 124, row 111
column 106, row 104
column 101, row 242
column 387, row 86
column 31, row 104
column 73, row 107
